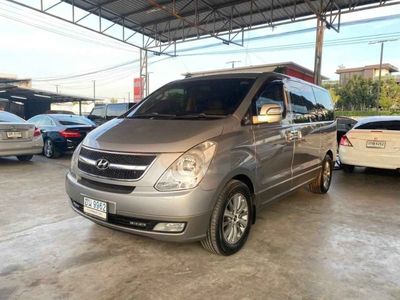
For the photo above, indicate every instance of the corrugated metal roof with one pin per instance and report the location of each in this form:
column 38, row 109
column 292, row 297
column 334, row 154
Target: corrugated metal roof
column 175, row 20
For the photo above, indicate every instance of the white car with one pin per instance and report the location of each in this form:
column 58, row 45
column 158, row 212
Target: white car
column 18, row 137
column 373, row 142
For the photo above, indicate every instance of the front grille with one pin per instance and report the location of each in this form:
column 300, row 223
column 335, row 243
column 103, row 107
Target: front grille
column 129, row 222
column 106, row 187
column 121, row 166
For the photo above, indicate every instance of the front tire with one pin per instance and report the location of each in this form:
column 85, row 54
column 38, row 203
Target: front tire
column 322, row 182
column 24, row 157
column 230, row 220
column 49, row 149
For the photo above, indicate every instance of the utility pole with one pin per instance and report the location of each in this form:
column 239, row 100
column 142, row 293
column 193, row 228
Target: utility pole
column 57, row 88
column 319, row 42
column 232, row 62
column 94, row 90
column 382, row 42
column 129, row 97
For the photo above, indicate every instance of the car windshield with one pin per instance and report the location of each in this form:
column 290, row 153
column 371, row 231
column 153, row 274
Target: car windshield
column 72, row 120
column 194, row 99
column 7, row 117
column 380, row 125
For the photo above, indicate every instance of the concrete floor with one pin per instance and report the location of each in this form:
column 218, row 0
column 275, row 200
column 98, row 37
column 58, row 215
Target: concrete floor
column 344, row 245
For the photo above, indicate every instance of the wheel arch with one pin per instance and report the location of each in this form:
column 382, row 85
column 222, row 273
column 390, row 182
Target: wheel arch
column 248, row 182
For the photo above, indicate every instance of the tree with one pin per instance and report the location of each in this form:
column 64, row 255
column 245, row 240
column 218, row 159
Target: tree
column 390, row 94
column 358, row 94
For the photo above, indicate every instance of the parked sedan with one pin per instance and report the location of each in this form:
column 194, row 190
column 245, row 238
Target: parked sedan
column 61, row 133
column 373, row 142
column 18, row 137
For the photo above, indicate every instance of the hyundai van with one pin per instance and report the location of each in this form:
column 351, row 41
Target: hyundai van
column 198, row 158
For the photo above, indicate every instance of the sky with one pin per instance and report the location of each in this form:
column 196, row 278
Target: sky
column 41, row 47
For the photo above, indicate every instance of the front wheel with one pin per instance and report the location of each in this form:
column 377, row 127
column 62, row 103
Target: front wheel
column 230, row 221
column 322, row 182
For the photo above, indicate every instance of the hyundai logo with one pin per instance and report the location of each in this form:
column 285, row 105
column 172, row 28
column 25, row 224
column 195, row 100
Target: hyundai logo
column 102, row 164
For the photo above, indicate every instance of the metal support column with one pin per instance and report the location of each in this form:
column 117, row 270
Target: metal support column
column 318, row 50
column 143, row 71
column 80, row 107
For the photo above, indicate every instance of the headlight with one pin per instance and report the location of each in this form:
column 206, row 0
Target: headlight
column 188, row 170
column 74, row 159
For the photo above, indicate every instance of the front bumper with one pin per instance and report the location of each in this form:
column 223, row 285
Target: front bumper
column 143, row 206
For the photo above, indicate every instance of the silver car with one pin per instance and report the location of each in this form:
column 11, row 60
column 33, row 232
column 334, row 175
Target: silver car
column 19, row 138
column 198, row 158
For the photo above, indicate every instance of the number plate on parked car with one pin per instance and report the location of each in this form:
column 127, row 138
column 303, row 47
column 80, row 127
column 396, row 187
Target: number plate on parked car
column 95, row 208
column 14, row 134
column 376, row 144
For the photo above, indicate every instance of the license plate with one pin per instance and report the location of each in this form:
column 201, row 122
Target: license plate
column 14, row 134
column 95, row 208
column 376, row 144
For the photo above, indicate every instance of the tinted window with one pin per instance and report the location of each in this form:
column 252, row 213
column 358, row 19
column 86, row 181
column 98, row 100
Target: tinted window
column 115, row 110
column 196, row 97
column 7, row 117
column 72, row 120
column 380, row 125
column 324, row 104
column 272, row 94
column 99, row 111
column 303, row 104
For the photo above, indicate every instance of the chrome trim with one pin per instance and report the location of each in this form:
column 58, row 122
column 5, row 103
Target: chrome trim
column 119, row 152
column 92, row 162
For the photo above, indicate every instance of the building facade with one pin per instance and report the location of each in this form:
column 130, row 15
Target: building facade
column 367, row 72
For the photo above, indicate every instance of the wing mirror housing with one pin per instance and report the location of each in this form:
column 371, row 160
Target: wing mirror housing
column 269, row 113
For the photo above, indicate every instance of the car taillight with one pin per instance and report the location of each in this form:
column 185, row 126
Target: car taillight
column 37, row 132
column 70, row 134
column 344, row 141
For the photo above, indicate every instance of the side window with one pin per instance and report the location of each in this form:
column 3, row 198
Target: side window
column 303, row 104
column 115, row 110
column 325, row 106
column 99, row 111
column 45, row 121
column 272, row 94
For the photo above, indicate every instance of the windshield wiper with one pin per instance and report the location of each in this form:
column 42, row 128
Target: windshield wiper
column 200, row 116
column 151, row 115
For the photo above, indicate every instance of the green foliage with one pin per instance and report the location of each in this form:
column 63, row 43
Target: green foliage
column 358, row 94
column 366, row 113
column 390, row 94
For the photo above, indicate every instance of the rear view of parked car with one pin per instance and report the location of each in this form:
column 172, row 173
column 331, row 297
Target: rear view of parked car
column 200, row 157
column 18, row 138
column 105, row 112
column 373, row 142
column 61, row 133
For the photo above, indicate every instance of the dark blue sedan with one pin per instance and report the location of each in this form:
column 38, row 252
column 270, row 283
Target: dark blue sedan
column 61, row 133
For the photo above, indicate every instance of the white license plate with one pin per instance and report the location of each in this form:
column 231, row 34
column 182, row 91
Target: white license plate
column 376, row 144
column 14, row 134
column 95, row 208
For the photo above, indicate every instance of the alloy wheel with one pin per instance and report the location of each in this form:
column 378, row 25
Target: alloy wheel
column 235, row 219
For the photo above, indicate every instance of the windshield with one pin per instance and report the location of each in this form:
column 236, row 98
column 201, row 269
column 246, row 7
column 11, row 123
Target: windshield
column 72, row 120
column 214, row 98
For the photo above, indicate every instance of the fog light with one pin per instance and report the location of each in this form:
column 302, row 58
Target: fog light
column 169, row 227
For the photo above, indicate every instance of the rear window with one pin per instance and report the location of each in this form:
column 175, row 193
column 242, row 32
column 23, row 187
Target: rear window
column 73, row 120
column 7, row 117
column 380, row 125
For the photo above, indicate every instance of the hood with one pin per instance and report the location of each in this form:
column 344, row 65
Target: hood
column 154, row 136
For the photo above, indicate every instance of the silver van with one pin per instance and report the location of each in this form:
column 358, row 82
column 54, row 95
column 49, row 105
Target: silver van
column 198, row 158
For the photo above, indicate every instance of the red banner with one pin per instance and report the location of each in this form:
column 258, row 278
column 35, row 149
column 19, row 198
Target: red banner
column 138, row 92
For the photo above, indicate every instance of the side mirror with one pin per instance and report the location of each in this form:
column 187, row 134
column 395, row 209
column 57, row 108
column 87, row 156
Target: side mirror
column 269, row 113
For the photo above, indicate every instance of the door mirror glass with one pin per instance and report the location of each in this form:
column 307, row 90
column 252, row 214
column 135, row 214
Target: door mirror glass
column 269, row 113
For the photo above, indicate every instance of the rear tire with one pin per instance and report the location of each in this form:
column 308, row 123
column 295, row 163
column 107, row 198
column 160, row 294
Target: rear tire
column 24, row 157
column 348, row 168
column 321, row 184
column 230, row 220
column 49, row 150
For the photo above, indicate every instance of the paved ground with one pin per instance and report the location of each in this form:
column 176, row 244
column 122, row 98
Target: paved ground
column 345, row 245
